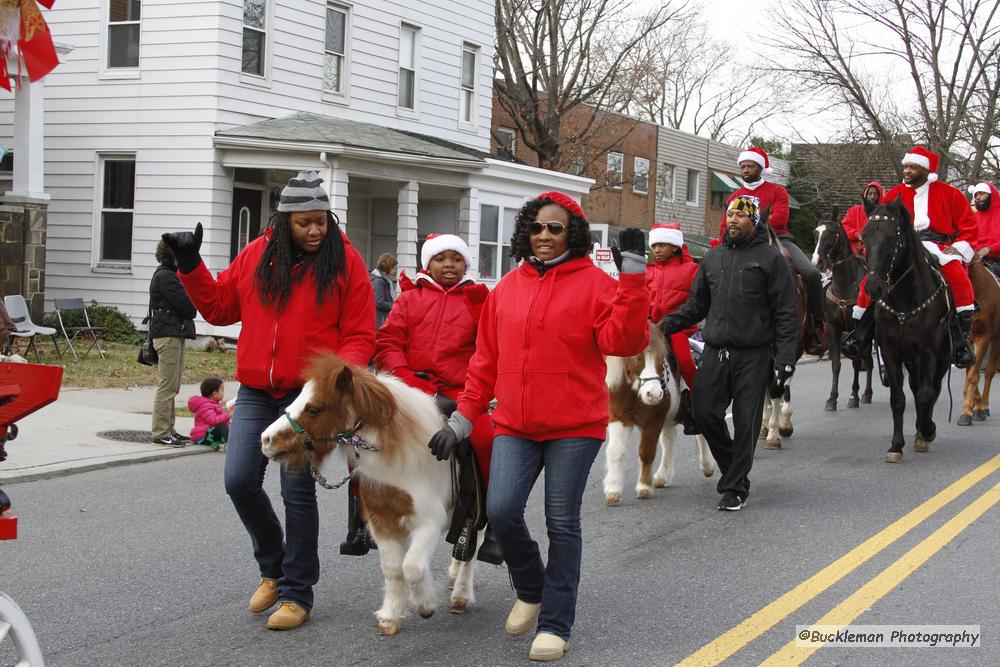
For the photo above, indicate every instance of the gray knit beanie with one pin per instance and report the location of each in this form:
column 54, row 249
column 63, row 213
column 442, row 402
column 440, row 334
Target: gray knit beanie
column 304, row 193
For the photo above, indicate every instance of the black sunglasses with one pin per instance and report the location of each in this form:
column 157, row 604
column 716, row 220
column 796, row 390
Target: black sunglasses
column 555, row 228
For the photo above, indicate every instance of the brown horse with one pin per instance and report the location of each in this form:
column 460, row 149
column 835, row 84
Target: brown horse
column 382, row 427
column 644, row 394
column 986, row 338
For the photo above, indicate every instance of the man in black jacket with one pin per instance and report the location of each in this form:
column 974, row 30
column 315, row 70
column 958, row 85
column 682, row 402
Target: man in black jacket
column 745, row 293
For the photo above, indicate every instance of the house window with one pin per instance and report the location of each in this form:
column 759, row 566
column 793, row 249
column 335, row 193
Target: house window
column 616, row 173
column 640, row 178
column 692, row 187
column 496, row 226
column 254, row 36
column 719, row 199
column 407, row 67
column 336, row 49
column 117, row 203
column 666, row 183
column 467, row 105
column 506, row 146
column 123, row 33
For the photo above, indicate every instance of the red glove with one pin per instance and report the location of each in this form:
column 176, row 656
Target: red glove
column 407, row 376
column 475, row 297
column 404, row 282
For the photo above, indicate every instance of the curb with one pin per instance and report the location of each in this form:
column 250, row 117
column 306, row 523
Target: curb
column 64, row 468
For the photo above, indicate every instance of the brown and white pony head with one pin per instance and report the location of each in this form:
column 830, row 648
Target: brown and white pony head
column 646, row 373
column 338, row 397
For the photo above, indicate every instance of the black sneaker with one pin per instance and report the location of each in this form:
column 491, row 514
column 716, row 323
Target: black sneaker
column 732, row 502
column 181, row 438
column 168, row 441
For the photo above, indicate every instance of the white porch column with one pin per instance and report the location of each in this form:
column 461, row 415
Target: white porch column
column 337, row 188
column 406, row 229
column 29, row 139
column 468, row 224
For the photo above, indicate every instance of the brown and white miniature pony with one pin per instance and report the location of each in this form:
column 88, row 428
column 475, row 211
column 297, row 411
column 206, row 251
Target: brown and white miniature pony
column 644, row 397
column 406, row 495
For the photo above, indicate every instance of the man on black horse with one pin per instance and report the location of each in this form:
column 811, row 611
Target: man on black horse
column 945, row 225
column 986, row 200
column 754, row 167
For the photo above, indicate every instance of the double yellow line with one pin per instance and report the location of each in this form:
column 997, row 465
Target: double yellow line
column 767, row 617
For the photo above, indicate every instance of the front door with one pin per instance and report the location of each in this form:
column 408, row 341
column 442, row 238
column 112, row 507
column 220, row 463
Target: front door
column 246, row 219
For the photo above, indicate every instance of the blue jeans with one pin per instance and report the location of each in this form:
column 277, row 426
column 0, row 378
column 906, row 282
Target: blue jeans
column 515, row 467
column 293, row 559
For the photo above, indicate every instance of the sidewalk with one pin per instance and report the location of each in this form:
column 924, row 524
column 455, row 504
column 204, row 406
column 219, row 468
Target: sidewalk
column 61, row 438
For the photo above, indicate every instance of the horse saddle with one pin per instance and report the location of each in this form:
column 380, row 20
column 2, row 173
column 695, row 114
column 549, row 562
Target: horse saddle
column 993, row 265
column 469, row 516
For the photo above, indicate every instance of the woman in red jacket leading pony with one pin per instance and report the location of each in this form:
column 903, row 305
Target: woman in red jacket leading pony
column 299, row 289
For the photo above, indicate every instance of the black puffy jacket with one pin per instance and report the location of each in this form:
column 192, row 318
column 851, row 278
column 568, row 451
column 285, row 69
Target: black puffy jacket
column 745, row 293
column 172, row 311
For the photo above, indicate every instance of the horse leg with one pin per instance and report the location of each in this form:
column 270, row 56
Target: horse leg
column 773, row 415
column 785, row 427
column 416, row 564
column 831, row 403
column 991, row 370
column 614, row 455
column 855, row 400
column 665, row 473
column 926, row 387
column 462, row 593
column 648, row 436
column 970, row 394
column 391, row 553
column 765, row 421
column 705, row 459
column 868, row 365
column 897, row 402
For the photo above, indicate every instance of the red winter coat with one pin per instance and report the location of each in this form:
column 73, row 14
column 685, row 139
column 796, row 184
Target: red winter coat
column 669, row 283
column 770, row 194
column 207, row 413
column 948, row 212
column 856, row 218
column 989, row 225
column 430, row 329
column 541, row 346
column 273, row 347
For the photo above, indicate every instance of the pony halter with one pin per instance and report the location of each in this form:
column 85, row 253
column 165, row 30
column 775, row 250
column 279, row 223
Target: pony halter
column 350, row 437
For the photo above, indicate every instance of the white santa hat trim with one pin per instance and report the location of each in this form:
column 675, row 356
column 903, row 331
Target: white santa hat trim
column 757, row 156
column 438, row 243
column 919, row 160
column 979, row 187
column 671, row 234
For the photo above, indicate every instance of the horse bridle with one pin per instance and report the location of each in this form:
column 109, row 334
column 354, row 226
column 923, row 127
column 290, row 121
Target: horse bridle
column 350, row 437
column 663, row 383
column 837, row 232
column 901, row 316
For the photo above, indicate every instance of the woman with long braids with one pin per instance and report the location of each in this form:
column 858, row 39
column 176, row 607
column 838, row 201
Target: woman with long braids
column 543, row 334
column 299, row 289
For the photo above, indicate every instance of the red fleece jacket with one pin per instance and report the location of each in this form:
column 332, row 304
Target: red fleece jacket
column 274, row 346
column 669, row 283
column 541, row 346
column 770, row 194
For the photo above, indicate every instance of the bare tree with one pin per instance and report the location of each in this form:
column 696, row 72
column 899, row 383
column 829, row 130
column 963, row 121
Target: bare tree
column 949, row 54
column 555, row 63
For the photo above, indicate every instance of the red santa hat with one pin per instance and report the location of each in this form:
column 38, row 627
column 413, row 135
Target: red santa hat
column 925, row 158
column 757, row 155
column 438, row 243
column 979, row 187
column 666, row 233
column 564, row 200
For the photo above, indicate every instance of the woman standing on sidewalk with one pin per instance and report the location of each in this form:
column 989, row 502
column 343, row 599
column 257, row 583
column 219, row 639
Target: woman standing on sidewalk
column 299, row 289
column 171, row 322
column 543, row 334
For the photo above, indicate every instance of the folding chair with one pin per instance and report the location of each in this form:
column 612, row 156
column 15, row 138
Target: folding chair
column 66, row 306
column 17, row 308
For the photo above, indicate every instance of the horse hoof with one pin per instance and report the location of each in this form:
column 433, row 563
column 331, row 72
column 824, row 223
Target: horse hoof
column 920, row 446
column 773, row 444
column 643, row 494
column 612, row 499
column 708, row 472
column 853, row 403
column 458, row 606
column 979, row 415
column 964, row 420
column 425, row 612
column 659, row 482
column 987, row 412
column 866, row 399
column 786, row 432
column 894, row 457
column 831, row 405
column 388, row 628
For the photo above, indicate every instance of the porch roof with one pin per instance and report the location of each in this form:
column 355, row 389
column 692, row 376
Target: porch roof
column 315, row 130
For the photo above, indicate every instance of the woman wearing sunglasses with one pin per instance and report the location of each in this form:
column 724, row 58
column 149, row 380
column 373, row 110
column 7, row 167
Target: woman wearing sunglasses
column 543, row 335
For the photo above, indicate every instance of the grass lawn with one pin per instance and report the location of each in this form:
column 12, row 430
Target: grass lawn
column 120, row 369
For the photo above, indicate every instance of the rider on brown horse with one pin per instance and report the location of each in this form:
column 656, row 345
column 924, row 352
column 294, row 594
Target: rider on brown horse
column 857, row 216
column 986, row 200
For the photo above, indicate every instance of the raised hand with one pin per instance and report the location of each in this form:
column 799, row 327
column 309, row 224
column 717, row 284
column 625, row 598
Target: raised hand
column 186, row 247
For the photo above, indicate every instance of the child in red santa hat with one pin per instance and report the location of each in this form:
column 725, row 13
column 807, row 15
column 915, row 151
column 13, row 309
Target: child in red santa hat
column 430, row 335
column 668, row 280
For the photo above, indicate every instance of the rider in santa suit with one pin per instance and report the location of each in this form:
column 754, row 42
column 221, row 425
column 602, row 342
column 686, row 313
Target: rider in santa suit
column 947, row 228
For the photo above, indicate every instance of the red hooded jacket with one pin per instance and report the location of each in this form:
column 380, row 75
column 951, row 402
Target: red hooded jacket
column 770, row 194
column 541, row 346
column 430, row 329
column 856, row 218
column 989, row 225
column 669, row 283
column 274, row 346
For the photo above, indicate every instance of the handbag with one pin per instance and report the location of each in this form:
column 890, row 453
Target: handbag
column 147, row 353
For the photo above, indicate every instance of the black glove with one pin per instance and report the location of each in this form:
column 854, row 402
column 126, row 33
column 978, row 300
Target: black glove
column 784, row 373
column 185, row 246
column 443, row 443
column 629, row 240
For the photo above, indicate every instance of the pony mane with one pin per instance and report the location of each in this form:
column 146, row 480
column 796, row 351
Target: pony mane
column 616, row 365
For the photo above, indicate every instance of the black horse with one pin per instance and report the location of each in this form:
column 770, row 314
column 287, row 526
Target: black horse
column 911, row 305
column 833, row 253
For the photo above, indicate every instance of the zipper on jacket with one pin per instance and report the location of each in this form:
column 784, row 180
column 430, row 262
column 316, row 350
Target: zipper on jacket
column 524, row 358
column 729, row 291
column 274, row 354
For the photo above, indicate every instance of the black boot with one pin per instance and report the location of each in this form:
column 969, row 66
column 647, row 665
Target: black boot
column 859, row 338
column 490, row 552
column 359, row 540
column 965, row 354
column 815, row 343
column 685, row 414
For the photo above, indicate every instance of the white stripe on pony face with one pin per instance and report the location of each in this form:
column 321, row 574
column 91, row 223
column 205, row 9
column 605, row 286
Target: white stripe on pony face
column 647, row 385
column 819, row 240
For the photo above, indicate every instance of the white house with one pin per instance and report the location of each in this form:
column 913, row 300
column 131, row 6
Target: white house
column 167, row 113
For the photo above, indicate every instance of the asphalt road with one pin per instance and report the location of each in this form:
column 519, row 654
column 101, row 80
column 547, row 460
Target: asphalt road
column 148, row 564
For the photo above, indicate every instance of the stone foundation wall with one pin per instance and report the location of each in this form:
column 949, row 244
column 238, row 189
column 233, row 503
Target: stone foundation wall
column 23, row 231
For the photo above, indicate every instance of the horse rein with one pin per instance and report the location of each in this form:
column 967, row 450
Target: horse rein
column 350, row 437
column 901, row 316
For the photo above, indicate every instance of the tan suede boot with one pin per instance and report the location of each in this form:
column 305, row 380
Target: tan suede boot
column 548, row 647
column 522, row 618
column 289, row 616
column 265, row 596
